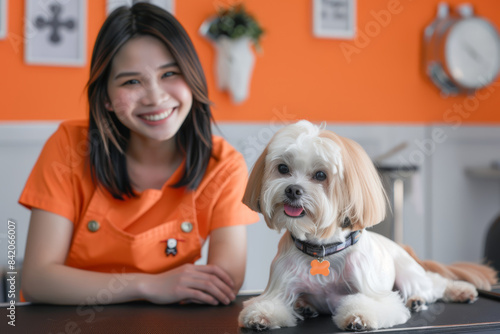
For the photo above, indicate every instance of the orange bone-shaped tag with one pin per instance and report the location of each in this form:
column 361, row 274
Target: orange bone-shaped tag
column 322, row 267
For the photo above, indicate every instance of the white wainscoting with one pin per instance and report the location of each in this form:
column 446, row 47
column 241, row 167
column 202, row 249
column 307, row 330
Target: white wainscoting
column 20, row 145
column 462, row 207
column 446, row 213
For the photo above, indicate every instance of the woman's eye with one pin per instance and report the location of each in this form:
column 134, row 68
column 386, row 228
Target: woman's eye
column 283, row 169
column 320, row 176
column 169, row 74
column 131, row 82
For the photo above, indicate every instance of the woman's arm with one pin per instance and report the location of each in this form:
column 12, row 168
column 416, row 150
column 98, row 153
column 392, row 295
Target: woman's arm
column 46, row 279
column 228, row 250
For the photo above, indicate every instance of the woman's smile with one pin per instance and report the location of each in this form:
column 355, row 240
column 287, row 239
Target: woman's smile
column 157, row 117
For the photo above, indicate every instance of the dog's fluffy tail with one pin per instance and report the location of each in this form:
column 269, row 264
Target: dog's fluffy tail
column 482, row 276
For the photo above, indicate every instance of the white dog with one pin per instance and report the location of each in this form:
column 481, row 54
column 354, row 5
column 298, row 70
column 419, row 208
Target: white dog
column 324, row 190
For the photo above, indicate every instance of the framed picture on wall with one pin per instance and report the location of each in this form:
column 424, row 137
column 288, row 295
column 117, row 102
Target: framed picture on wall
column 55, row 32
column 334, row 18
column 3, row 19
column 168, row 5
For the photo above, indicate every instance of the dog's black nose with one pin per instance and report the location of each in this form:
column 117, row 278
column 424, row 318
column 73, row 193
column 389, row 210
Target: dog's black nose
column 294, row 192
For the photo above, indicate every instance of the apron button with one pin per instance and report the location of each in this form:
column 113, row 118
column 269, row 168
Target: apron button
column 186, row 227
column 93, row 225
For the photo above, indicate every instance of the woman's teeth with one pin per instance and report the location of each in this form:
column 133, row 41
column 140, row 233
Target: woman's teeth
column 157, row 117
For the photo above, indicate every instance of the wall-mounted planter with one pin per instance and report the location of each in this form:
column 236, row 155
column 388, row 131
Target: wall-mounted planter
column 234, row 66
column 232, row 33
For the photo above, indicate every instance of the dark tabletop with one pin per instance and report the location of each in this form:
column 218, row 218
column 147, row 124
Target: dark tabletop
column 140, row 317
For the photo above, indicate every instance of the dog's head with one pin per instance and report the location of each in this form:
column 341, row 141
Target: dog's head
column 313, row 182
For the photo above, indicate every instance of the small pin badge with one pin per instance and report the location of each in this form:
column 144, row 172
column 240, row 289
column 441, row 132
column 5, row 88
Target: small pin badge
column 171, row 246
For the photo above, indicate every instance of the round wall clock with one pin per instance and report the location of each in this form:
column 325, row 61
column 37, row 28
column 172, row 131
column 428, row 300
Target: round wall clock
column 462, row 51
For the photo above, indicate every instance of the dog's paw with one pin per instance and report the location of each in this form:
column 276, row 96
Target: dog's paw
column 258, row 323
column 416, row 304
column 254, row 320
column 305, row 309
column 266, row 314
column 355, row 323
column 460, row 292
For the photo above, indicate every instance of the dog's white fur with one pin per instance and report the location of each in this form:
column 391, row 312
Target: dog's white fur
column 372, row 284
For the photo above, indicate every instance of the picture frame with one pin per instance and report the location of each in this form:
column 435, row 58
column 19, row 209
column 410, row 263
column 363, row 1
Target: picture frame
column 56, row 32
column 334, row 19
column 3, row 19
column 111, row 5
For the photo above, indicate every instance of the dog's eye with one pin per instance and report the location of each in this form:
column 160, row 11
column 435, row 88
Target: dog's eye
column 320, row 176
column 283, row 169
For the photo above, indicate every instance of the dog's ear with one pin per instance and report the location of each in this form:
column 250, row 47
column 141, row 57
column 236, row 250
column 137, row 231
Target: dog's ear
column 367, row 195
column 363, row 202
column 251, row 197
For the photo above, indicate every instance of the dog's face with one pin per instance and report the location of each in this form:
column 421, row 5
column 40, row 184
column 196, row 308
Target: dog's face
column 312, row 182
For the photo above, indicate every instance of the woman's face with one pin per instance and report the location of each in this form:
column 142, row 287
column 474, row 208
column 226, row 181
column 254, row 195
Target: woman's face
column 147, row 91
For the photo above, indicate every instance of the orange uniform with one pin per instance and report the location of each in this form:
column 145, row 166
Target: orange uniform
column 152, row 233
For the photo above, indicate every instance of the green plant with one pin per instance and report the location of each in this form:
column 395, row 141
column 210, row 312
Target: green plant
column 234, row 22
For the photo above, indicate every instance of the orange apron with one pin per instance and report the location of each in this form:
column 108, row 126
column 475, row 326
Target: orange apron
column 100, row 244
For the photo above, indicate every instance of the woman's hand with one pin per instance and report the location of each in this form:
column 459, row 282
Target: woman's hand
column 202, row 284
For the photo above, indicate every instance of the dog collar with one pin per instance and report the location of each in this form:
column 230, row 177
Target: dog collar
column 321, row 251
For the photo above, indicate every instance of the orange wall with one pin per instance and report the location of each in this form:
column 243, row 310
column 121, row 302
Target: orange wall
column 296, row 76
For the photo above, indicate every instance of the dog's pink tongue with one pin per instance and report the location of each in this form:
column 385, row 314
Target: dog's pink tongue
column 293, row 211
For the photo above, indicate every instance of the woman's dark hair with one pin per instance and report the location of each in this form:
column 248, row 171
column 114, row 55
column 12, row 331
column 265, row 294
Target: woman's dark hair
column 108, row 137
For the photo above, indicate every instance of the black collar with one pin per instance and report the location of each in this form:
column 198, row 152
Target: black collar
column 320, row 251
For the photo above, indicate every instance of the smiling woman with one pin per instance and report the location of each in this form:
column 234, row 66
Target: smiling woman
column 139, row 187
